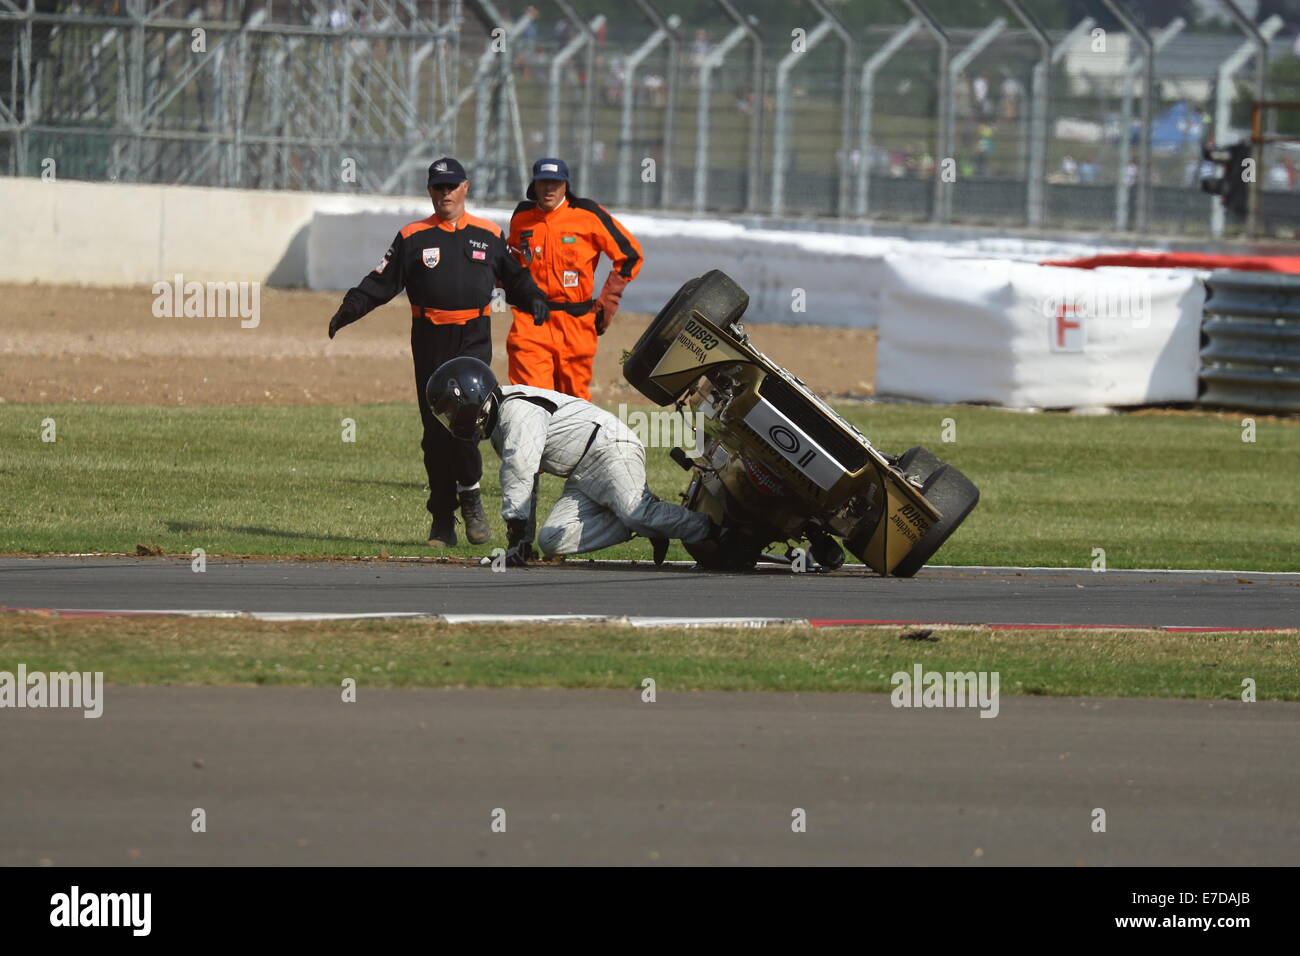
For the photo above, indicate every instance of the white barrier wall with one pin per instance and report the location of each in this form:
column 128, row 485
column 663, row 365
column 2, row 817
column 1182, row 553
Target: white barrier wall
column 1024, row 335
column 799, row 277
column 971, row 321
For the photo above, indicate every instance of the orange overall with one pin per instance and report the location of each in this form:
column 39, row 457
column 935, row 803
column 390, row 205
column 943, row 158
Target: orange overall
column 561, row 249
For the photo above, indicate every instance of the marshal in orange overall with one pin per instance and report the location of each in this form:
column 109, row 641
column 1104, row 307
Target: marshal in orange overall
column 559, row 238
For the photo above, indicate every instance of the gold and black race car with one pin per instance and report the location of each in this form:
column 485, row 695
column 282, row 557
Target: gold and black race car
column 777, row 461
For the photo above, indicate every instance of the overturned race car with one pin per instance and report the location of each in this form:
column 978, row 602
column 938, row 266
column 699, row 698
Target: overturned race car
column 778, row 464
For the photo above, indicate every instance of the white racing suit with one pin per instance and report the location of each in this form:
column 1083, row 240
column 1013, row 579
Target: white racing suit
column 605, row 498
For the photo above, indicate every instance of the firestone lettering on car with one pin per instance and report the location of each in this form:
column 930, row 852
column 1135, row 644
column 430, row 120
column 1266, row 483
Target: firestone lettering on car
column 905, row 528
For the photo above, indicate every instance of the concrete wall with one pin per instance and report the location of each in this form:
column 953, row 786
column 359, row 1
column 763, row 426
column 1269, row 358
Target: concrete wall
column 116, row 235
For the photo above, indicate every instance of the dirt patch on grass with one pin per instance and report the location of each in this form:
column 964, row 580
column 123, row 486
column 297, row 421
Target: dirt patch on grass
column 72, row 344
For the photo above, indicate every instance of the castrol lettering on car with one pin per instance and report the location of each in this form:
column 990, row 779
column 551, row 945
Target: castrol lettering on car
column 697, row 340
column 695, row 349
column 703, row 335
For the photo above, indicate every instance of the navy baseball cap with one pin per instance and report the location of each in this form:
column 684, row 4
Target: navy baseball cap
column 548, row 168
column 446, row 170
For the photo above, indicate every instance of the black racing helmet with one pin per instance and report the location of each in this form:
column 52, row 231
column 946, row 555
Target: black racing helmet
column 465, row 397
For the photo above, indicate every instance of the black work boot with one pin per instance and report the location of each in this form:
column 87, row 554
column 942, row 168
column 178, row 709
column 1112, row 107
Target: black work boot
column 659, row 547
column 443, row 532
column 471, row 508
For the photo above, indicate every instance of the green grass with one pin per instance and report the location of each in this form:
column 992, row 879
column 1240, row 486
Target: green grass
column 1177, row 490
column 430, row 654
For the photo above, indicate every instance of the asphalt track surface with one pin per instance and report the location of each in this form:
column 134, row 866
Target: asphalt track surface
column 296, row 776
column 957, row 595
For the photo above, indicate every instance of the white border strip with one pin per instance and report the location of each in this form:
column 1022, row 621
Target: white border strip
column 520, row 618
column 717, row 621
column 328, row 616
column 626, row 620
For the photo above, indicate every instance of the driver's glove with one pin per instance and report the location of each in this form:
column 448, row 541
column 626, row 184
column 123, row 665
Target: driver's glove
column 518, row 548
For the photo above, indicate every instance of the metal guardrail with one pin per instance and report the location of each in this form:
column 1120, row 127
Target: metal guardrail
column 1250, row 341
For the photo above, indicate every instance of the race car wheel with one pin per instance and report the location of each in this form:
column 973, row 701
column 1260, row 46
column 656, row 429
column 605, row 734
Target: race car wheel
column 918, row 462
column 948, row 490
column 714, row 295
column 737, row 551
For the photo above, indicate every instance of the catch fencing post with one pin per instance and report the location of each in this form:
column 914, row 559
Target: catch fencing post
column 1147, row 63
column 1260, row 41
column 707, row 66
column 867, row 104
column 781, row 119
column 633, row 61
column 956, row 67
column 670, row 26
column 749, row 25
column 1131, row 70
column 1039, row 134
column 846, row 101
column 943, row 140
column 1223, row 107
column 1039, row 93
column 586, row 38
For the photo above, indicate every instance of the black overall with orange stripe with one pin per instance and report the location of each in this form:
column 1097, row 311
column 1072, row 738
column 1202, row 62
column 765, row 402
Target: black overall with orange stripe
column 448, row 272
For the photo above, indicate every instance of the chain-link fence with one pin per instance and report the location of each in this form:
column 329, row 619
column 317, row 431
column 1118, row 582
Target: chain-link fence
column 1060, row 114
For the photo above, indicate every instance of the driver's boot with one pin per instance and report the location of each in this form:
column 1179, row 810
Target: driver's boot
column 471, row 509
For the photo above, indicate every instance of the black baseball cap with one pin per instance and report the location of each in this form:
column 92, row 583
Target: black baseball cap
column 550, row 168
column 446, row 170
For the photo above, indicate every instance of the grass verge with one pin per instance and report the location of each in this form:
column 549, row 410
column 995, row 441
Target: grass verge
column 1178, row 491
column 183, row 651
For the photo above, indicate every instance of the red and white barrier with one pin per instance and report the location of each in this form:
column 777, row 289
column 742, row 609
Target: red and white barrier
column 1024, row 335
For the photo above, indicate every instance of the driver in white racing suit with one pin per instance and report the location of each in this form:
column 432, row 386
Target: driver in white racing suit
column 605, row 500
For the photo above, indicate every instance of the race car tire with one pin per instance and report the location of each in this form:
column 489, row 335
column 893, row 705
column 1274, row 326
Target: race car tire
column 953, row 494
column 918, row 462
column 738, row 549
column 714, row 295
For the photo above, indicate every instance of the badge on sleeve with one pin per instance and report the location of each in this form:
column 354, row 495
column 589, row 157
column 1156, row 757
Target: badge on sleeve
column 431, row 256
column 383, row 263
